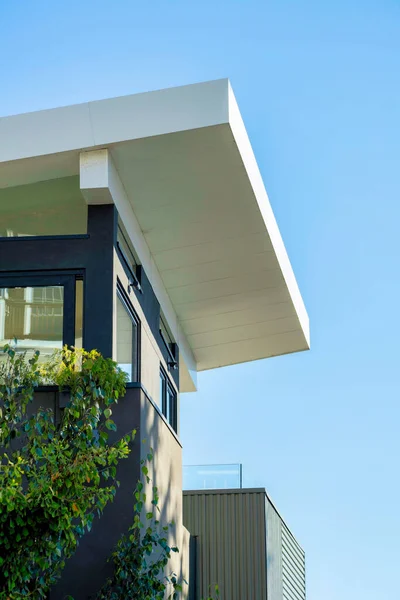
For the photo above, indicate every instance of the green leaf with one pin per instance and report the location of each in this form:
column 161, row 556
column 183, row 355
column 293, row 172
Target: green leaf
column 111, row 425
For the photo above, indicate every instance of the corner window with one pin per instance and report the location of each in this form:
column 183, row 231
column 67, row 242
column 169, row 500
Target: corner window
column 41, row 313
column 168, row 400
column 34, row 316
column 127, row 339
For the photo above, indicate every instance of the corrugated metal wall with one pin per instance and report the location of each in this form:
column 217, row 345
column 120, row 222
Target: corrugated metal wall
column 293, row 567
column 243, row 545
column 231, row 549
column 285, row 560
column 274, row 553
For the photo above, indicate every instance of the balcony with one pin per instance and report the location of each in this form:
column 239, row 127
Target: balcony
column 212, row 477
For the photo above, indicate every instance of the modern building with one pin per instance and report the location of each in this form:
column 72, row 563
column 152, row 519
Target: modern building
column 140, row 226
column 239, row 541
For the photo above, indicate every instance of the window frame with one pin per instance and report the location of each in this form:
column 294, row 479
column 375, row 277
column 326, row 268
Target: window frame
column 26, row 279
column 136, row 333
column 169, row 343
column 131, row 262
column 168, row 400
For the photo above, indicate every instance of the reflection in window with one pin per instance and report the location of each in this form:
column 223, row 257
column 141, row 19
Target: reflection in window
column 127, row 340
column 78, row 313
column 34, row 316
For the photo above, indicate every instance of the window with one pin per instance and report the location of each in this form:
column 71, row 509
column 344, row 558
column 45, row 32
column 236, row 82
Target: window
column 169, row 343
column 39, row 312
column 168, row 400
column 125, row 247
column 79, row 313
column 127, row 339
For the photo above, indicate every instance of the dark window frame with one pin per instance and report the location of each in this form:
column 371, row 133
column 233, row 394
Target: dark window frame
column 24, row 279
column 136, row 333
column 168, row 400
column 130, row 262
column 169, row 343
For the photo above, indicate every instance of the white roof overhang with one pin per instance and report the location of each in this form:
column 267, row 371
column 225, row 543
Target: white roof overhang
column 186, row 164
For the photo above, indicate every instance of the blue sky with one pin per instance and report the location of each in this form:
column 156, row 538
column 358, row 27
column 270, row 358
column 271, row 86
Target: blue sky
column 318, row 84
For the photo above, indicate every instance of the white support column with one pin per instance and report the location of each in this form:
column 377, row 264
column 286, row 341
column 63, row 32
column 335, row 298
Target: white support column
column 95, row 167
column 100, row 183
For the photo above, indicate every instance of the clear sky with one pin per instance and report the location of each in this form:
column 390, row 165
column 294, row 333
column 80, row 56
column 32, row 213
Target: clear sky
column 318, row 84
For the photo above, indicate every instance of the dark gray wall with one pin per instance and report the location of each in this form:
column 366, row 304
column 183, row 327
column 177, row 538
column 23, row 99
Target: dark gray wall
column 243, row 545
column 229, row 526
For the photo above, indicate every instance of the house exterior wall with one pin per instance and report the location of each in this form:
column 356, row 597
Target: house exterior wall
column 293, row 567
column 89, row 568
column 243, row 545
column 274, row 553
column 165, row 472
column 231, row 543
column 285, row 559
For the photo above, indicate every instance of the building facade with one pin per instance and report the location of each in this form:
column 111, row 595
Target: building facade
column 140, row 226
column 241, row 543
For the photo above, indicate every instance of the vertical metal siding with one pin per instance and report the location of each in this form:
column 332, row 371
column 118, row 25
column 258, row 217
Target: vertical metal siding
column 274, row 553
column 285, row 560
column 293, row 567
column 244, row 546
column 231, row 542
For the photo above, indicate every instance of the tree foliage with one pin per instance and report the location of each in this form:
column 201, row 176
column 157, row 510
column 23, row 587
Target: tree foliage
column 54, row 477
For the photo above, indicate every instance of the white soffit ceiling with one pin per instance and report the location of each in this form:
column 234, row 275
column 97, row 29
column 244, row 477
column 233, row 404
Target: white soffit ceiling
column 185, row 160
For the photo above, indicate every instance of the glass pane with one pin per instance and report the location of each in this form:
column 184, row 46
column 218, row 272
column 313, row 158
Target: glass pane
column 126, row 247
column 53, row 207
column 170, row 406
column 212, row 477
column 135, row 351
column 78, row 313
column 165, row 333
column 124, row 338
column 162, row 392
column 34, row 316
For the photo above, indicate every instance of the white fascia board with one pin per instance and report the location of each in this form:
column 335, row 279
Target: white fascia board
column 249, row 161
column 100, row 183
column 93, row 124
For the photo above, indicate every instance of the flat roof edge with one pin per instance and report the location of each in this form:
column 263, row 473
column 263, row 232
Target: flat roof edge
column 250, row 164
column 103, row 122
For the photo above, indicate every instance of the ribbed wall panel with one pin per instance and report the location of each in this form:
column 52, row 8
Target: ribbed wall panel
column 293, row 567
column 244, row 546
column 231, row 551
column 274, row 553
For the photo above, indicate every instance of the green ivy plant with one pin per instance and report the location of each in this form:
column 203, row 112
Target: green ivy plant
column 142, row 555
column 216, row 597
column 54, row 477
